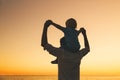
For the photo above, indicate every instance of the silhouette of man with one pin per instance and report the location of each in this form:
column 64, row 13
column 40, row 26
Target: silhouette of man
column 68, row 62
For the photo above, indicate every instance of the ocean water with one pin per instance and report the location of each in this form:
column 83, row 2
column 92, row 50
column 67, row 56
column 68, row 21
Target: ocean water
column 29, row 77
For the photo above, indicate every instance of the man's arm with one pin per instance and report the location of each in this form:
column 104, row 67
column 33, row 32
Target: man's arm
column 44, row 40
column 85, row 50
column 86, row 43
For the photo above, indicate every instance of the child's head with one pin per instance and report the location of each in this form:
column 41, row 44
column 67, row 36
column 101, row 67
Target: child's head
column 71, row 23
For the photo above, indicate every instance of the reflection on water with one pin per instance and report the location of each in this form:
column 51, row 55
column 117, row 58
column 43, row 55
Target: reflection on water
column 28, row 77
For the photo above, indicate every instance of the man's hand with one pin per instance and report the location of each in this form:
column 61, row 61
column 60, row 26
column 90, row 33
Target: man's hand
column 83, row 30
column 48, row 23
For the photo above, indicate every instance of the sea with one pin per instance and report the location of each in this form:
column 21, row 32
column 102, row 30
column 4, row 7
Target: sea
column 39, row 77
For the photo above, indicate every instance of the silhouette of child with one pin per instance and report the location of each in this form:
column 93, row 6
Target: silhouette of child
column 71, row 42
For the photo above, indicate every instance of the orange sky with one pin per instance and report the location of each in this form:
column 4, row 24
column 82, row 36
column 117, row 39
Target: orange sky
column 21, row 24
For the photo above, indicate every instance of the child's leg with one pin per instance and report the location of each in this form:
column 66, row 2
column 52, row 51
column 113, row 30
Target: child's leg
column 55, row 61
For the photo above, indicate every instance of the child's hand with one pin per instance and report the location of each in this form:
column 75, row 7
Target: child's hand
column 48, row 23
column 83, row 30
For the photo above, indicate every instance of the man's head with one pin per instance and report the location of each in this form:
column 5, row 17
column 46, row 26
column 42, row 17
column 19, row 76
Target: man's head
column 71, row 23
column 62, row 42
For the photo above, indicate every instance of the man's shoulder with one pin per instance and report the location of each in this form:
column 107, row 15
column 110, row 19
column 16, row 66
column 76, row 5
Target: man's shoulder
column 76, row 55
column 54, row 50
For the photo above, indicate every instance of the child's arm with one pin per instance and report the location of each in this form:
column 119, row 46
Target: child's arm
column 58, row 26
column 79, row 31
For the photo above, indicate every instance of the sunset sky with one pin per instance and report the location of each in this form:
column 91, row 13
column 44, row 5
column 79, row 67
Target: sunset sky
column 21, row 25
